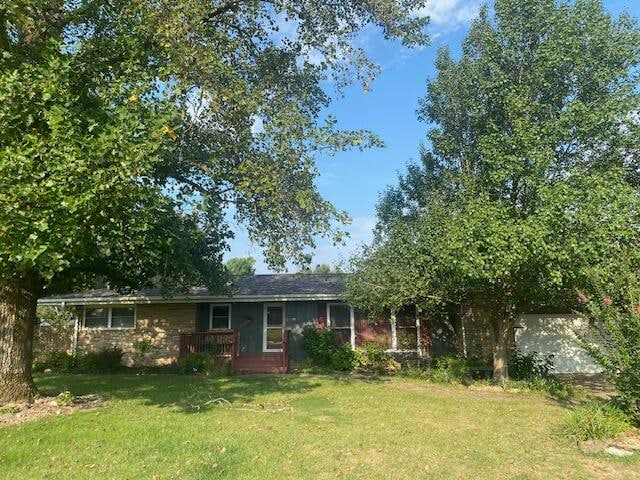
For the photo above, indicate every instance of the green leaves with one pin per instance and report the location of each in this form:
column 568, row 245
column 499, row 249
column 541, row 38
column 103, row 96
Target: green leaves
column 131, row 132
column 530, row 178
column 612, row 306
column 241, row 266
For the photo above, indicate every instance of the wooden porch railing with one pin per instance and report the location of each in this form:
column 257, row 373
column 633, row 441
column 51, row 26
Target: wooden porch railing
column 221, row 343
column 225, row 344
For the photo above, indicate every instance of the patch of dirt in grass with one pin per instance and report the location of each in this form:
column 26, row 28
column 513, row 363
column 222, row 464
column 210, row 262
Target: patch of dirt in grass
column 46, row 407
column 628, row 441
column 596, row 383
column 324, row 418
column 604, row 468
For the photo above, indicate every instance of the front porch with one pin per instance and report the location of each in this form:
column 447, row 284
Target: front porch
column 224, row 345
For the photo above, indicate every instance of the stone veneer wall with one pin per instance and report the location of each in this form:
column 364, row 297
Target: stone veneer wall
column 161, row 323
column 48, row 339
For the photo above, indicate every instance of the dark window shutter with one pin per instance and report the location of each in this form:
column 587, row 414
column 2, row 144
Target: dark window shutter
column 202, row 317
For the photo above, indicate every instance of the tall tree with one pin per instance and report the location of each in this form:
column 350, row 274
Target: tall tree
column 531, row 171
column 128, row 127
column 241, row 266
column 321, row 268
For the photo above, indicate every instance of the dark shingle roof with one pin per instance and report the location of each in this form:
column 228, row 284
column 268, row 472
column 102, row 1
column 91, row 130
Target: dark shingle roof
column 290, row 284
column 278, row 285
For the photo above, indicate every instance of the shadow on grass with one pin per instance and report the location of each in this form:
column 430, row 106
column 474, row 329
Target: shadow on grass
column 186, row 392
column 350, row 378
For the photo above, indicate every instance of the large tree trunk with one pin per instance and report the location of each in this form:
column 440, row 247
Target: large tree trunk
column 501, row 326
column 18, row 302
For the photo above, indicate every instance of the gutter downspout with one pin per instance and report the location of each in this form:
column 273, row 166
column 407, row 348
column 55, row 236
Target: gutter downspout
column 418, row 333
column 464, row 336
column 76, row 331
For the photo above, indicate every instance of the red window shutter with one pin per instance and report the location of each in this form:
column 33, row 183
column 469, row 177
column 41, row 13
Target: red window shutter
column 322, row 314
column 425, row 335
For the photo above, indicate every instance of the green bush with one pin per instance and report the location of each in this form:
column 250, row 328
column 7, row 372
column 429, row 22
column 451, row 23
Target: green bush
column 219, row 369
column 194, row 363
column 319, row 344
column 57, row 361
column 595, row 420
column 449, row 369
column 479, row 368
column 103, row 361
column 323, row 351
column 55, row 316
column 65, row 399
column 205, row 364
column 414, row 371
column 613, row 339
column 38, row 367
column 529, row 366
column 374, row 358
column 142, row 347
column 344, row 358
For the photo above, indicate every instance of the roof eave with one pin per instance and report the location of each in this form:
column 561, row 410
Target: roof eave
column 72, row 301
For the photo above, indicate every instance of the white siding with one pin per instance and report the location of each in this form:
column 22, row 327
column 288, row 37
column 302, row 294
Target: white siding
column 555, row 334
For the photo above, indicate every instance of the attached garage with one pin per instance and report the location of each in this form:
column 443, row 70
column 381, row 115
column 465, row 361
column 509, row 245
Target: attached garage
column 555, row 334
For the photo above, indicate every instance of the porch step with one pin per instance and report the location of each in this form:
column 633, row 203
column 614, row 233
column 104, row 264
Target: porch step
column 261, row 369
column 260, row 363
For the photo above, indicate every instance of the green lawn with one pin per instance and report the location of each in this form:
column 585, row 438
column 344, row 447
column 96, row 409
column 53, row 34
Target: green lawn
column 310, row 427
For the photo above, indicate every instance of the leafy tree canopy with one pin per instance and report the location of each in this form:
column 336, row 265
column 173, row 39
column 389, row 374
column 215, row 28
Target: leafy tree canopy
column 127, row 128
column 241, row 266
column 322, row 268
column 530, row 173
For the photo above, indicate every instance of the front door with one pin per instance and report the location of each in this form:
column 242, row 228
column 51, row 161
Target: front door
column 273, row 327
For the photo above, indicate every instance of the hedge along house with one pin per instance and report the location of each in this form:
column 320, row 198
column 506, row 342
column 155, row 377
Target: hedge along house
column 258, row 327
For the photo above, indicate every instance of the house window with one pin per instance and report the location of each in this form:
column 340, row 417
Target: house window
column 273, row 327
column 340, row 319
column 110, row 317
column 372, row 328
column 220, row 317
column 406, row 329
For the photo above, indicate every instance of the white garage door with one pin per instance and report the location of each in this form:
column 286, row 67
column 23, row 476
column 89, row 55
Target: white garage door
column 555, row 334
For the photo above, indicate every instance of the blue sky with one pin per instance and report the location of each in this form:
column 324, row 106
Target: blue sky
column 353, row 181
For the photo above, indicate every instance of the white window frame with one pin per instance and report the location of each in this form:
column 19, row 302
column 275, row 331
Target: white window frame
column 352, row 322
column 394, row 334
column 265, row 308
column 109, row 315
column 228, row 305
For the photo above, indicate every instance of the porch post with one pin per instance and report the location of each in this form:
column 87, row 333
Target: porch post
column 394, row 334
column 418, row 333
column 464, row 334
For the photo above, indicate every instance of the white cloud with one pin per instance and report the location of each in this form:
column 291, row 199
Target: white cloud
column 449, row 15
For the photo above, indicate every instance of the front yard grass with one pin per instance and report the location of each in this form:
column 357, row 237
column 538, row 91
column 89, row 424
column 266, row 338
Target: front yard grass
column 168, row 427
